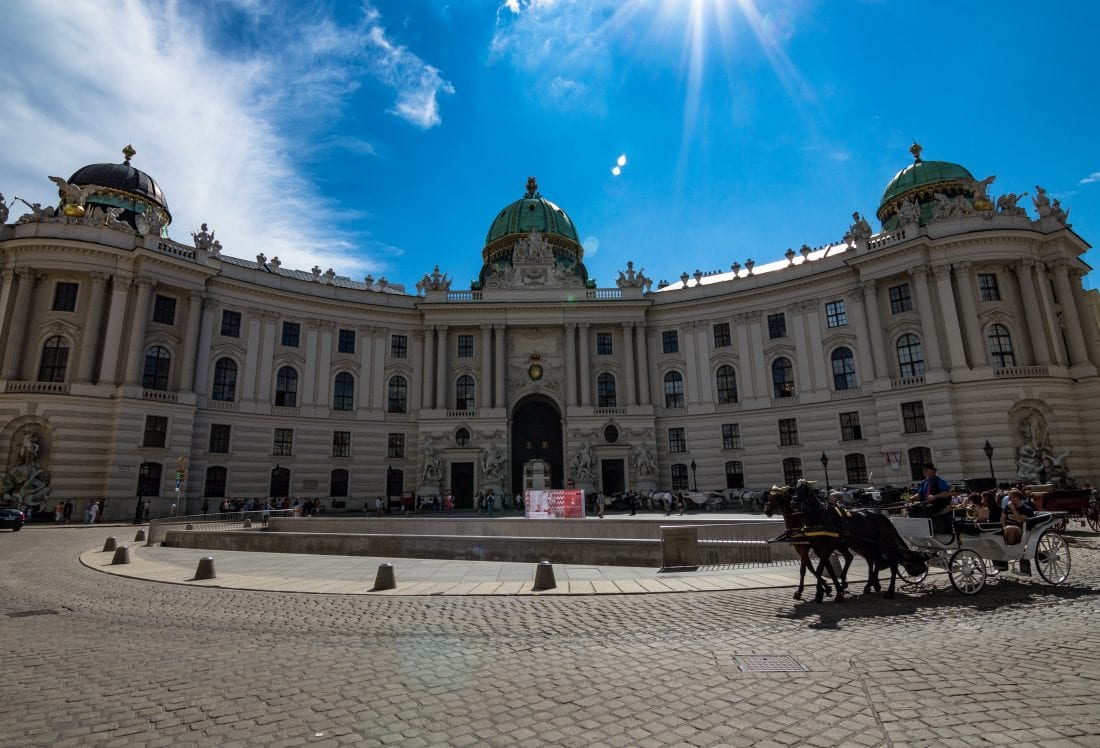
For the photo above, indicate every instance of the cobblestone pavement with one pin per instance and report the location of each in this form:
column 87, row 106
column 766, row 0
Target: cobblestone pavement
column 129, row 662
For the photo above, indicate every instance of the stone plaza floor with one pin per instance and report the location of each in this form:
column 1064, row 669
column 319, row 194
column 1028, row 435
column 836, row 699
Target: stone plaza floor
column 92, row 658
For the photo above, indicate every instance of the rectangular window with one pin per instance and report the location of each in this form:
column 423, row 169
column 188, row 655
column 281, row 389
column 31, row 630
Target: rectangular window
column 777, row 326
column 164, row 310
column 901, row 299
column 399, row 346
column 603, row 344
column 284, row 442
column 912, row 417
column 835, row 315
column 788, row 432
column 345, row 341
column 722, row 335
column 395, row 446
column 156, row 432
column 987, row 287
column 64, row 297
column 850, row 430
column 465, row 346
column 731, row 436
column 670, row 341
column 341, row 444
column 292, row 333
column 677, row 442
column 231, row 323
column 856, row 467
column 219, row 438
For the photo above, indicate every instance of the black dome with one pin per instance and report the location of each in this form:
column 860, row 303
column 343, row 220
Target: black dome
column 122, row 177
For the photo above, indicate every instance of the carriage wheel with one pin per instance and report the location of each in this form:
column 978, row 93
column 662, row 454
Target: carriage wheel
column 1092, row 514
column 967, row 571
column 1060, row 525
column 909, row 579
column 1052, row 558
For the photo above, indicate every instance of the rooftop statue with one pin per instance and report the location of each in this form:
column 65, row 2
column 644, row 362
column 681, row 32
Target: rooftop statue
column 204, row 239
column 980, row 190
column 434, row 281
column 3, row 210
column 909, row 212
column 72, row 202
column 630, row 279
column 38, row 214
column 1042, row 202
column 860, row 230
column 1006, row 204
column 950, row 207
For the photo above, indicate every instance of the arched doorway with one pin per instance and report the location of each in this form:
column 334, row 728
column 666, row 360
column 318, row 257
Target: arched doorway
column 280, row 483
column 536, row 435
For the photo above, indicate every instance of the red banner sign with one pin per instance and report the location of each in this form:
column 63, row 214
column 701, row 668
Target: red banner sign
column 554, row 504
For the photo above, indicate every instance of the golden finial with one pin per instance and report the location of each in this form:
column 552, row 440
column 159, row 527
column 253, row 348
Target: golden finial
column 128, row 152
column 915, row 149
column 532, row 187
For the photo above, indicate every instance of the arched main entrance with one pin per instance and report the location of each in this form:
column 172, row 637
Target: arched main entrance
column 536, row 435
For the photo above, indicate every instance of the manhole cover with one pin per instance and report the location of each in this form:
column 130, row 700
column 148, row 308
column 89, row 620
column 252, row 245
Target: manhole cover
column 25, row 613
column 768, row 664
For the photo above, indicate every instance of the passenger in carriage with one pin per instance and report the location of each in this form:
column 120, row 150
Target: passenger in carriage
column 1015, row 516
column 992, row 508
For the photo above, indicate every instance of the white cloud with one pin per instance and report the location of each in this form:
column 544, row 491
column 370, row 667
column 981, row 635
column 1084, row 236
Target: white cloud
column 210, row 127
column 1094, row 177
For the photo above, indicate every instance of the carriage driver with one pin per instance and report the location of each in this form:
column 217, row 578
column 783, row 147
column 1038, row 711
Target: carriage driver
column 934, row 493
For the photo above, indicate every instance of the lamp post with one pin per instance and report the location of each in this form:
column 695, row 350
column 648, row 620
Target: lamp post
column 988, row 449
column 694, row 478
column 825, row 465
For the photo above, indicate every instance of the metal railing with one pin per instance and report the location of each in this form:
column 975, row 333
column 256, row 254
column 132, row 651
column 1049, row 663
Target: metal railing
column 722, row 545
column 158, row 528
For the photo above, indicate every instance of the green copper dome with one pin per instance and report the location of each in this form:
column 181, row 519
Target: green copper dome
column 919, row 182
column 532, row 212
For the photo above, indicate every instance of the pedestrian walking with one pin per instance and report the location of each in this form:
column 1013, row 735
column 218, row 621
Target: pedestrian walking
column 633, row 499
column 68, row 511
column 145, row 511
column 489, row 501
column 58, row 512
column 205, row 506
column 91, row 513
column 600, row 502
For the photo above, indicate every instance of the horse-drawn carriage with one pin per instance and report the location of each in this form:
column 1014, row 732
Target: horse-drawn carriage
column 1076, row 504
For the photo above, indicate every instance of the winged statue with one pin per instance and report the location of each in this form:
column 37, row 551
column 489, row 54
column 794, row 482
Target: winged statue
column 74, row 196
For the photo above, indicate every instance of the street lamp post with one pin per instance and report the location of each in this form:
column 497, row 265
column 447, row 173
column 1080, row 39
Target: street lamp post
column 694, row 478
column 825, row 465
column 988, row 449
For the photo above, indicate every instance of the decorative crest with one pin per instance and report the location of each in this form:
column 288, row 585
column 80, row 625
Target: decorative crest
column 915, row 149
column 532, row 187
column 128, row 152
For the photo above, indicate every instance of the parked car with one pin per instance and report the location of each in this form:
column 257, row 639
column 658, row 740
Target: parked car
column 11, row 518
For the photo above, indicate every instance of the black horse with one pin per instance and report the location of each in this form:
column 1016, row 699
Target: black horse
column 868, row 533
column 779, row 500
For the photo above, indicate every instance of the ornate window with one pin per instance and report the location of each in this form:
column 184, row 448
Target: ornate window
column 674, row 390
column 777, row 326
column 901, row 299
column 788, row 432
column 1000, row 347
column 731, row 436
column 283, row 443
column 225, row 380
column 987, row 287
column 341, row 444
column 679, row 477
column 912, row 418
column 722, row 335
column 397, row 397
column 164, row 310
column 399, row 346
column 835, row 313
column 605, row 390
column 292, row 332
column 464, row 393
column 231, row 323
column 677, row 441
column 156, row 432
column 465, row 346
column 64, row 297
column 850, row 429
column 604, row 344
column 343, row 392
column 158, row 362
column 214, row 486
column 792, row 470
column 735, row 474
column 910, row 356
column 670, row 341
column 286, row 387
column 856, row 467
column 844, row 369
column 727, row 384
column 338, row 483
column 462, row 438
column 55, row 359
column 345, row 341
column 918, row 456
column 782, row 378
column 219, row 438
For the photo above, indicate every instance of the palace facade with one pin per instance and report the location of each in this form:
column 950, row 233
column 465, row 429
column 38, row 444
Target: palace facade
column 132, row 364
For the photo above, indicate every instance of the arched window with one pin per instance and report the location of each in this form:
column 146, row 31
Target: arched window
column 286, row 388
column 343, row 392
column 55, row 358
column 782, row 378
column 1000, row 346
column 157, row 364
column 917, row 457
column 727, row 384
column 605, row 390
column 215, row 482
column 464, row 393
column 674, row 390
column 679, row 477
column 397, row 398
column 338, row 483
column 792, row 470
column 910, row 356
column 225, row 380
column 735, row 474
column 149, row 477
column 856, row 467
column 844, row 369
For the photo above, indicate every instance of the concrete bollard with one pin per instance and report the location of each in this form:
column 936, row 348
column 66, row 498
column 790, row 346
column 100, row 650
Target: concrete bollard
column 122, row 555
column 205, row 569
column 247, row 523
column 384, row 579
column 110, row 544
column 544, row 576
column 140, row 535
column 189, row 526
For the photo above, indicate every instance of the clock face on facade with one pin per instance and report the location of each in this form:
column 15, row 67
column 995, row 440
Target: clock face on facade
column 535, row 372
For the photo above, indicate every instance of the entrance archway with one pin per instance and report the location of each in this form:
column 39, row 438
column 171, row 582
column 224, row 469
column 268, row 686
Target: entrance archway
column 536, row 435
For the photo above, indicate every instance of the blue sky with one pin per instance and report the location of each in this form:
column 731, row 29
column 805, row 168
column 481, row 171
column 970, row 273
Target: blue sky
column 382, row 137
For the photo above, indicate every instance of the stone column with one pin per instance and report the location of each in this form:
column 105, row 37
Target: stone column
column 956, row 356
column 686, row 334
column 307, row 395
column 324, row 364
column 819, row 367
column 191, row 341
column 643, row 363
column 967, row 287
column 366, row 383
column 112, row 341
column 1078, row 353
column 416, row 393
column 501, row 355
column 266, row 373
column 586, row 368
column 746, row 383
column 701, row 332
column 210, row 317
column 874, row 329
column 380, row 390
column 930, row 340
column 570, row 363
column 485, row 388
column 254, row 318
column 866, row 369
column 8, row 276
column 1035, row 327
column 427, row 376
column 629, row 376
column 135, row 351
column 762, row 385
column 89, row 342
column 1088, row 326
column 441, row 368
column 24, row 290
column 802, row 348
column 1042, row 283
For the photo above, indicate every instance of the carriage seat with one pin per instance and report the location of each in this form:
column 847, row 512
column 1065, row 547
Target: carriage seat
column 1040, row 518
column 972, row 527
